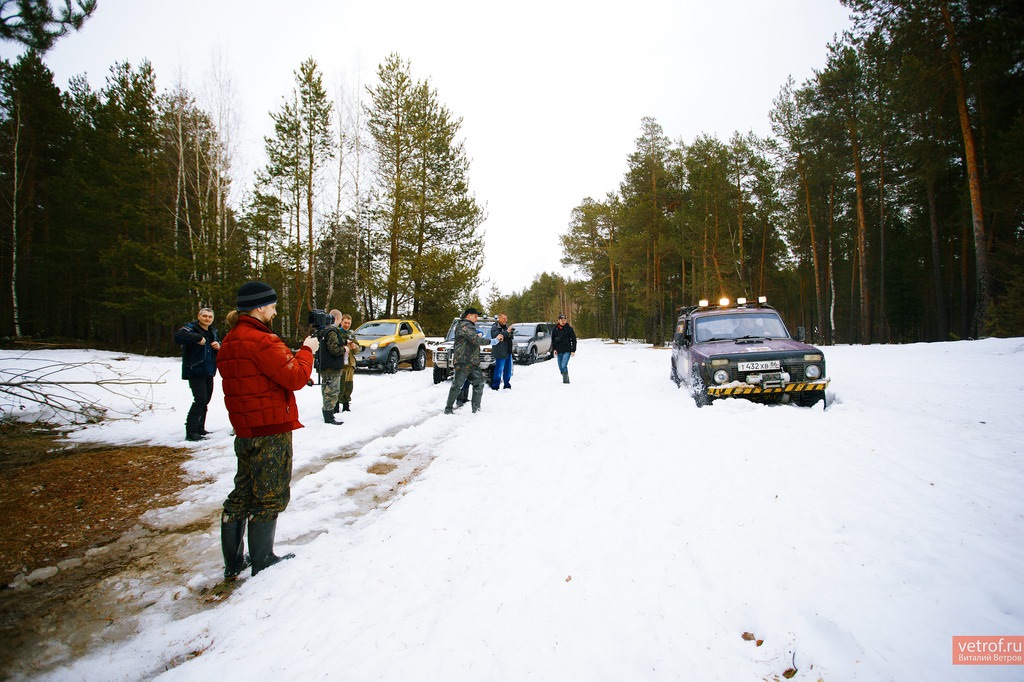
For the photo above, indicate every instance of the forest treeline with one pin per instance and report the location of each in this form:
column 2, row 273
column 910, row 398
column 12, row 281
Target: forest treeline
column 118, row 222
column 886, row 206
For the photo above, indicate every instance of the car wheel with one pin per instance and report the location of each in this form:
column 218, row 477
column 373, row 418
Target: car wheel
column 391, row 364
column 700, row 391
column 439, row 375
column 810, row 399
column 420, row 363
column 674, row 374
column 532, row 357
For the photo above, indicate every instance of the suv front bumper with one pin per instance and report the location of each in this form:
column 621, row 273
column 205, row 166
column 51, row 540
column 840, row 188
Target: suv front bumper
column 752, row 390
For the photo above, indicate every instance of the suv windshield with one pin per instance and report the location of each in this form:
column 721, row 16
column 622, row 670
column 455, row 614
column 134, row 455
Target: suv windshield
column 527, row 331
column 739, row 326
column 376, row 329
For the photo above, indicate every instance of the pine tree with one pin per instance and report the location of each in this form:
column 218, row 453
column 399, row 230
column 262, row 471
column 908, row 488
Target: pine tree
column 426, row 217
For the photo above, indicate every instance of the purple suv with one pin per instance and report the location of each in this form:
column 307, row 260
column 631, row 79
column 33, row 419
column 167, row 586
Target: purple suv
column 744, row 350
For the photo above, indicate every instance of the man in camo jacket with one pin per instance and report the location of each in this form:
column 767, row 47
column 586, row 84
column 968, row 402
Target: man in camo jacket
column 466, row 359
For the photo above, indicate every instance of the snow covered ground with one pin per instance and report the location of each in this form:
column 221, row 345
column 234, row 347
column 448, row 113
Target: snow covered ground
column 604, row 530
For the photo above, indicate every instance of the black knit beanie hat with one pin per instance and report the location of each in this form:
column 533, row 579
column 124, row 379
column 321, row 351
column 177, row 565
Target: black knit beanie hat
column 252, row 295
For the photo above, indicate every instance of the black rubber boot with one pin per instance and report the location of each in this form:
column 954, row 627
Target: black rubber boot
column 192, row 424
column 202, row 423
column 261, row 545
column 565, row 377
column 329, row 418
column 232, row 543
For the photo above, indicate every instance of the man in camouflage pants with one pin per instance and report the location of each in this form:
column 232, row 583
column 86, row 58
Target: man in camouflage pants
column 466, row 359
column 332, row 363
column 263, row 479
column 260, row 376
column 349, row 372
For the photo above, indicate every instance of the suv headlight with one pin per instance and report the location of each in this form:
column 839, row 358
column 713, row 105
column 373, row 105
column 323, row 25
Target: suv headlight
column 721, row 376
column 812, row 372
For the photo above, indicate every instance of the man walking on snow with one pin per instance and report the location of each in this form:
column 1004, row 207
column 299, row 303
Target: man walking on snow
column 563, row 342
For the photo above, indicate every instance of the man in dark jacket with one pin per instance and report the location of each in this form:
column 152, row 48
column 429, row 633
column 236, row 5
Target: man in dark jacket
column 199, row 346
column 563, row 343
column 501, row 351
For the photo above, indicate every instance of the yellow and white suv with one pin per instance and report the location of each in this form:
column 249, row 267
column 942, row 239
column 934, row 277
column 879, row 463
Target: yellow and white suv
column 386, row 343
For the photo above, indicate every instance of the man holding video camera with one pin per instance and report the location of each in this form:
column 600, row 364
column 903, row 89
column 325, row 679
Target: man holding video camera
column 332, row 363
column 348, row 374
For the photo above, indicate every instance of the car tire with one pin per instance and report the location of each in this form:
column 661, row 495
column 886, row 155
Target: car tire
column 810, row 399
column 439, row 375
column 674, row 374
column 420, row 363
column 391, row 363
column 532, row 357
column 700, row 391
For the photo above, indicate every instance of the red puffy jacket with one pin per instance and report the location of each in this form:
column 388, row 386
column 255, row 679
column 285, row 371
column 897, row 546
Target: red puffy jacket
column 259, row 375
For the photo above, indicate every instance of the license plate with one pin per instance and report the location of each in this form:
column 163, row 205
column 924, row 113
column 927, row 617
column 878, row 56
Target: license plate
column 759, row 365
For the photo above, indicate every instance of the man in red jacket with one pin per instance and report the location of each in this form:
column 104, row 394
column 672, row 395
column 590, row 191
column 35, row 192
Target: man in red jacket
column 259, row 375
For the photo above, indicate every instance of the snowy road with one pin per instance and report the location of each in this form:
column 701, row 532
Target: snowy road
column 611, row 530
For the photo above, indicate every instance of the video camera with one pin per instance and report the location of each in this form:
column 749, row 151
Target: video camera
column 320, row 320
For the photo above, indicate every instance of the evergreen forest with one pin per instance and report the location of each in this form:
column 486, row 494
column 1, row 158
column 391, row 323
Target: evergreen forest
column 887, row 205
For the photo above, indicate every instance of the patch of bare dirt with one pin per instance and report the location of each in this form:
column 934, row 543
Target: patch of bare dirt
column 60, row 502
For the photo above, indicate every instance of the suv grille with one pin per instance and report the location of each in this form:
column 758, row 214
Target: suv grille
column 795, row 369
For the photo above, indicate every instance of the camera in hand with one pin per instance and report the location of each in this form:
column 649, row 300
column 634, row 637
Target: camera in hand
column 320, row 320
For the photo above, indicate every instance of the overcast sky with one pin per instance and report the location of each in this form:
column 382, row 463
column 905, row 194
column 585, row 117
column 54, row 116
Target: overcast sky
column 551, row 93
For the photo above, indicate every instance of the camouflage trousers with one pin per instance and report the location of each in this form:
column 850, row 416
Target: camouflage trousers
column 263, row 479
column 347, row 384
column 330, row 387
column 476, row 379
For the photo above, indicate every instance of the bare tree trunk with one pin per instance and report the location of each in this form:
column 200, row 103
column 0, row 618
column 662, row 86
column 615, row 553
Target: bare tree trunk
column 830, row 331
column 222, row 101
column 941, row 328
column 862, row 230
column 883, row 318
column 742, row 264
column 983, row 274
column 16, row 181
column 336, row 223
column 818, row 298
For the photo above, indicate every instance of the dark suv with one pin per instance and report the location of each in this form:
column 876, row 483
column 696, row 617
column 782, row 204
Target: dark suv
column 443, row 366
column 744, row 350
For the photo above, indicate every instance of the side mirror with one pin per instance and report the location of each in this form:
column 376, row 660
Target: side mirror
column 801, row 334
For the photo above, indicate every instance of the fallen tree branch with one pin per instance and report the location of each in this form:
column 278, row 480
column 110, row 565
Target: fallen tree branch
column 63, row 394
